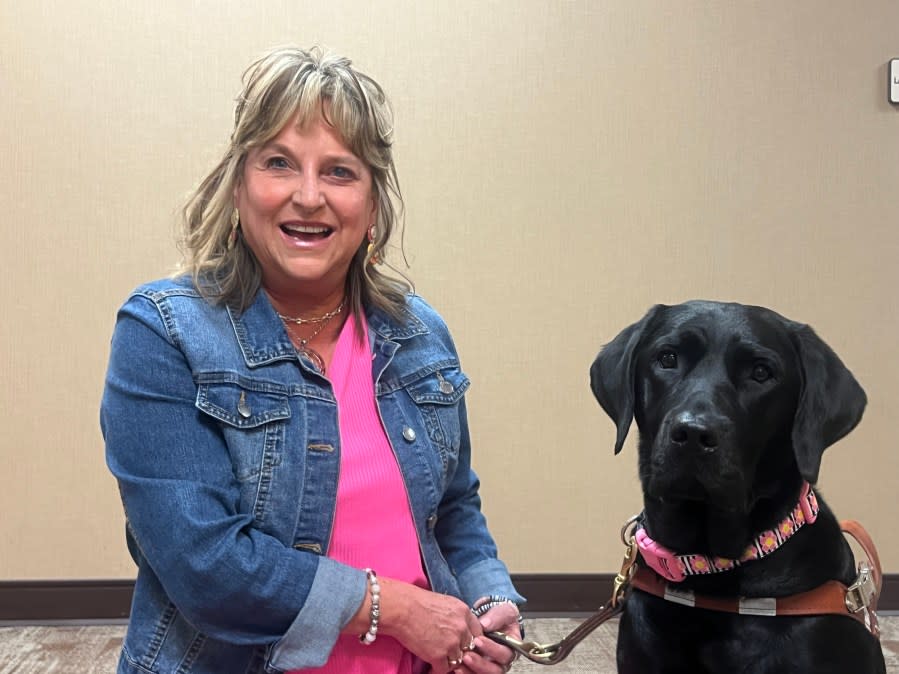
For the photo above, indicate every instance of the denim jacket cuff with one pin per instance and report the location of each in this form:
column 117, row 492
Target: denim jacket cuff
column 336, row 594
column 489, row 576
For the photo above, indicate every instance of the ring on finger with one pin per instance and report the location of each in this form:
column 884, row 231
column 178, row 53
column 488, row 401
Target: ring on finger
column 454, row 662
column 469, row 647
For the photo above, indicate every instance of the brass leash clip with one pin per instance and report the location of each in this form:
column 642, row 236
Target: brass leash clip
column 628, row 566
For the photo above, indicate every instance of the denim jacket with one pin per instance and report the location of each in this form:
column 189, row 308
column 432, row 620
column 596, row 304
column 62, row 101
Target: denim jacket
column 226, row 449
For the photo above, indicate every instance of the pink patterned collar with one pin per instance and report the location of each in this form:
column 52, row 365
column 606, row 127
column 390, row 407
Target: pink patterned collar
column 675, row 568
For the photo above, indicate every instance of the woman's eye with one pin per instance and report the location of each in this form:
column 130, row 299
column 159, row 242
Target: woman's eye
column 761, row 372
column 667, row 359
column 342, row 172
column 276, row 162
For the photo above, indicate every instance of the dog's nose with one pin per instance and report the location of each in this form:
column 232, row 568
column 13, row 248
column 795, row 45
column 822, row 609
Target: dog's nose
column 689, row 430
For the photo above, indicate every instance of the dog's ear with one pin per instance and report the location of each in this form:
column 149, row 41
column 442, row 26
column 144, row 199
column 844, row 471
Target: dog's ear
column 612, row 375
column 831, row 401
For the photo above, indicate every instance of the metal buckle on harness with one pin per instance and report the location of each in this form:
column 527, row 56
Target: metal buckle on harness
column 861, row 593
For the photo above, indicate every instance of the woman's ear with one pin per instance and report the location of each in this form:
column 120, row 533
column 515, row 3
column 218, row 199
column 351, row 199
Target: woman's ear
column 373, row 216
column 235, row 194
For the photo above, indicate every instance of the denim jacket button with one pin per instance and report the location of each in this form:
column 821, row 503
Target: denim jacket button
column 242, row 407
column 409, row 434
column 431, row 522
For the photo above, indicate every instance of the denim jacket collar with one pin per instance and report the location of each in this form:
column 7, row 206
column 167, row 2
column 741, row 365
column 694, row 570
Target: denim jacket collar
column 263, row 340
column 259, row 332
column 387, row 327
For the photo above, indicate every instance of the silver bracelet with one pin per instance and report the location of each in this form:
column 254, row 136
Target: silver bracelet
column 375, row 613
column 484, row 604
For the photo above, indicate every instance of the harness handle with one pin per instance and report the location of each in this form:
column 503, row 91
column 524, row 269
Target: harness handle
column 863, row 538
column 860, row 595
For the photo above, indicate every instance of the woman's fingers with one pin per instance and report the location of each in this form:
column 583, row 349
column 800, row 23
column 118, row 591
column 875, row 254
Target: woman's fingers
column 500, row 617
column 437, row 628
column 479, row 662
column 490, row 657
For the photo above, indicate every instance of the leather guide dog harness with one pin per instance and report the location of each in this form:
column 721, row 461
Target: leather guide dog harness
column 857, row 601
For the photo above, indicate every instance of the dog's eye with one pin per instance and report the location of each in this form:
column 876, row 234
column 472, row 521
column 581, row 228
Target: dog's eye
column 761, row 373
column 668, row 359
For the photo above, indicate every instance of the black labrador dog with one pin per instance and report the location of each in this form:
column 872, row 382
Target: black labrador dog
column 734, row 405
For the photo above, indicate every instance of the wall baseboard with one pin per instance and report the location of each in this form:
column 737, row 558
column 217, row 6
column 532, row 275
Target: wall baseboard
column 45, row 600
column 97, row 600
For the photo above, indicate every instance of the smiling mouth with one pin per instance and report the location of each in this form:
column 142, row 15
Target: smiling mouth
column 307, row 232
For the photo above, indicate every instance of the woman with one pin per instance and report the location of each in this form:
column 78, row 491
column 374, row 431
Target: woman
column 287, row 424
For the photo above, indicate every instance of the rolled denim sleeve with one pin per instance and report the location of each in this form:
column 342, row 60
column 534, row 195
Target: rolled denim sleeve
column 312, row 635
column 230, row 580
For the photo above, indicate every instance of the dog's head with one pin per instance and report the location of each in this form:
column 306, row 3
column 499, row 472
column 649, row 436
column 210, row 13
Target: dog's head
column 730, row 401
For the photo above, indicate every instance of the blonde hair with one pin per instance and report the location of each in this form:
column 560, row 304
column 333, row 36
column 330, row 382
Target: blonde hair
column 285, row 83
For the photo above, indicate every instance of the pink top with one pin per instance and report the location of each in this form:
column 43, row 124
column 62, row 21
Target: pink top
column 373, row 524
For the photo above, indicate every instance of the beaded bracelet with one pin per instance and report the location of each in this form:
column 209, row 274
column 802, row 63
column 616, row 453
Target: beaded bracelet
column 484, row 604
column 375, row 613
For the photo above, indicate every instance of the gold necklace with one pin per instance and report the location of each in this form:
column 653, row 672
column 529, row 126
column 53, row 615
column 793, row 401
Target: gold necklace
column 318, row 319
column 303, row 347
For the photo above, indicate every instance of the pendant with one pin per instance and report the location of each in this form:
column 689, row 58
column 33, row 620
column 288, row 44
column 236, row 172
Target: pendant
column 314, row 357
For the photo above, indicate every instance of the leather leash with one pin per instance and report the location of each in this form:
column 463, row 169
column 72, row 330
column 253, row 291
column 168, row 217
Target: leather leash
column 551, row 654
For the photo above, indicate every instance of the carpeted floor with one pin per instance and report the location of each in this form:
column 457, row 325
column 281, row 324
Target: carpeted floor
column 94, row 649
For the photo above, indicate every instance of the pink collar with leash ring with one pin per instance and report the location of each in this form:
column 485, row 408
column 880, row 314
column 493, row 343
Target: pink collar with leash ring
column 675, row 567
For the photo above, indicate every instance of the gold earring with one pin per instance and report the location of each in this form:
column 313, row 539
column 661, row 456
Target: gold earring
column 235, row 223
column 373, row 257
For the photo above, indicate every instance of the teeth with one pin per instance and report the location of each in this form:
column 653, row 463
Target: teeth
column 307, row 229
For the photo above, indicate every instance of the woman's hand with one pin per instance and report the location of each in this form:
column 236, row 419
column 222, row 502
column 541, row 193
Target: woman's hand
column 489, row 657
column 437, row 628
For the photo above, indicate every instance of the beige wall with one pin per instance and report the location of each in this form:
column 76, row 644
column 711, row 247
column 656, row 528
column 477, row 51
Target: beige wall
column 566, row 165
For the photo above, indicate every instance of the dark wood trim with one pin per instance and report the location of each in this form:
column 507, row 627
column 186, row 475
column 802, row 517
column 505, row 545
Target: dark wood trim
column 48, row 600
column 44, row 600
column 564, row 593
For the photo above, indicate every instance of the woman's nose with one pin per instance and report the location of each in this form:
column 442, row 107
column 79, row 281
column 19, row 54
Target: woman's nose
column 308, row 194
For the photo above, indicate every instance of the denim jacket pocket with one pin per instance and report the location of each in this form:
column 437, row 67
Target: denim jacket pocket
column 437, row 395
column 253, row 424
